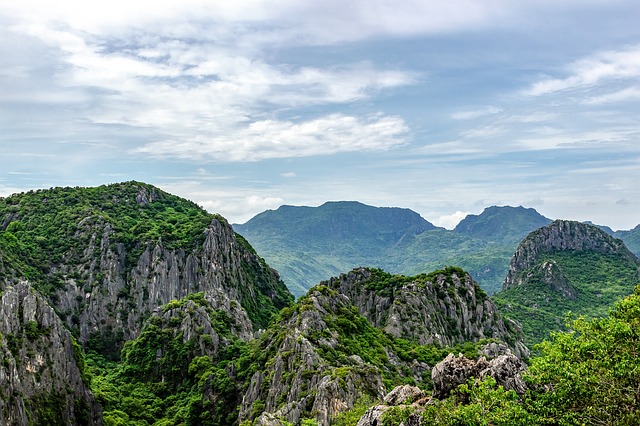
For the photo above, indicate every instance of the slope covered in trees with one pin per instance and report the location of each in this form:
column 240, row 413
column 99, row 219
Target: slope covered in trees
column 309, row 244
column 587, row 376
column 565, row 267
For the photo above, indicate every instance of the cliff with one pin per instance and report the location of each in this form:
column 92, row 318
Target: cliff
column 106, row 257
column 565, row 267
column 42, row 375
column 444, row 308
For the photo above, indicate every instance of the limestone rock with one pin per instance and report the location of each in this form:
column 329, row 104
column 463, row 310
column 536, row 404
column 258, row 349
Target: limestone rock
column 41, row 376
column 444, row 310
column 452, row 372
column 301, row 381
column 373, row 416
column 560, row 235
column 507, row 371
column 405, row 394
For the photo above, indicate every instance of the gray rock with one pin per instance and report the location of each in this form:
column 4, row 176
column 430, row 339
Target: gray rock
column 405, row 394
column 40, row 372
column 507, row 371
column 561, row 235
column 443, row 312
column 452, row 372
column 373, row 416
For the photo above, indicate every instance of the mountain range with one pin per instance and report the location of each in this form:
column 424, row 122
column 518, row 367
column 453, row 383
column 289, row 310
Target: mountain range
column 310, row 244
column 126, row 305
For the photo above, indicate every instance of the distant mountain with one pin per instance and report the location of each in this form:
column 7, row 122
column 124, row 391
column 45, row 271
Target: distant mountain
column 631, row 239
column 507, row 225
column 565, row 267
column 310, row 244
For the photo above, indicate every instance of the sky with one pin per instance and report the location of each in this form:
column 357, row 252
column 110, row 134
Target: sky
column 444, row 107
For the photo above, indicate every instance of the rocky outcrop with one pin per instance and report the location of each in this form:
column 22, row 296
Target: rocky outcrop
column 42, row 378
column 409, row 398
column 561, row 235
column 454, row 371
column 309, row 370
column 106, row 275
column 442, row 308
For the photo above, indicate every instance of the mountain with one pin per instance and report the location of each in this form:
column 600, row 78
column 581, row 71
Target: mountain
column 504, row 225
column 43, row 378
column 106, row 257
column 94, row 265
column 565, row 267
column 631, row 239
column 124, row 304
column 310, row 244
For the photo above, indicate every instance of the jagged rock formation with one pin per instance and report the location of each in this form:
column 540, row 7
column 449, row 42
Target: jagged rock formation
column 443, row 308
column 565, row 266
column 311, row 365
column 561, row 235
column 407, row 396
column 42, row 379
column 454, row 371
column 110, row 268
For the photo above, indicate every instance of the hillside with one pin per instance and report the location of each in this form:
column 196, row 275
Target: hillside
column 106, row 257
column 319, row 358
column 565, row 267
column 310, row 244
column 125, row 305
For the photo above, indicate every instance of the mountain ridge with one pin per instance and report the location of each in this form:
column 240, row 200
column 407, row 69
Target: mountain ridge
column 481, row 244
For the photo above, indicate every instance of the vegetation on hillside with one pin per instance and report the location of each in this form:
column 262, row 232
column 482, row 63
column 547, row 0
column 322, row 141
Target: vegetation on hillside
column 311, row 244
column 587, row 376
column 599, row 281
column 41, row 229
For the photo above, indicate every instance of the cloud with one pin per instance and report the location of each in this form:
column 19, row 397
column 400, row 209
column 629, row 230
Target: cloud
column 472, row 114
column 211, row 99
column 266, row 139
column 288, row 175
column 625, row 95
column 592, row 71
column 450, row 221
column 329, row 21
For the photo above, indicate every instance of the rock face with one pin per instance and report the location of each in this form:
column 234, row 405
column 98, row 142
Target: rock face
column 303, row 373
column 409, row 397
column 104, row 282
column 561, row 235
column 41, row 377
column 443, row 308
column 452, row 372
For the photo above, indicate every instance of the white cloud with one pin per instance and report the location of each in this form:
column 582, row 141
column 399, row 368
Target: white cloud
column 288, row 175
column 204, row 99
column 282, row 139
column 624, row 95
column 597, row 69
column 594, row 139
column 472, row 114
column 450, row 221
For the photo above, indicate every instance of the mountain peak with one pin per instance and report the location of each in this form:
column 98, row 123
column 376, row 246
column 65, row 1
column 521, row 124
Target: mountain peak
column 502, row 223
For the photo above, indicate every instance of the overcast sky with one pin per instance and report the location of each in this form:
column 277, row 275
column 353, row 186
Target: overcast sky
column 445, row 107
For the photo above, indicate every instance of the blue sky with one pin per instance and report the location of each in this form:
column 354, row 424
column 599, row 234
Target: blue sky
column 444, row 107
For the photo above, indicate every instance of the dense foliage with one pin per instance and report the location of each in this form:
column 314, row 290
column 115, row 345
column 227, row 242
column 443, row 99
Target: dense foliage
column 598, row 279
column 587, row 376
column 311, row 244
column 41, row 229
